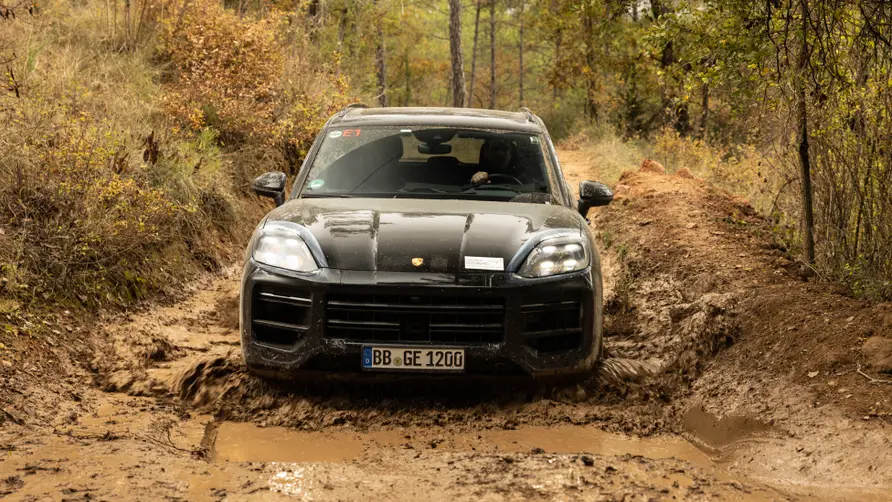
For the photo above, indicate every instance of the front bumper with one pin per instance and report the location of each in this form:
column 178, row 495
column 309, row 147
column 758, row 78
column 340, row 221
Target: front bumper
column 507, row 325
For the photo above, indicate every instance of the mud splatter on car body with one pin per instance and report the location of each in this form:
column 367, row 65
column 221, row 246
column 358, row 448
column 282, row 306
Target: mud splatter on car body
column 395, row 249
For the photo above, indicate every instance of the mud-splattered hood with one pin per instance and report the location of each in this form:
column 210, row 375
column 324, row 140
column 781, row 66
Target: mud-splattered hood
column 387, row 234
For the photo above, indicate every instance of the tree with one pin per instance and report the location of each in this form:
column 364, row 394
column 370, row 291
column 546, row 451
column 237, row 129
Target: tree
column 808, row 222
column 458, row 69
column 672, row 104
column 474, row 54
column 492, row 54
column 589, row 70
column 381, row 62
column 520, row 56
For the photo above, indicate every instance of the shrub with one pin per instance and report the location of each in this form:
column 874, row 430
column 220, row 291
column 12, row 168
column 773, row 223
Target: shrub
column 740, row 169
column 251, row 79
column 227, row 70
column 85, row 217
column 101, row 200
column 608, row 153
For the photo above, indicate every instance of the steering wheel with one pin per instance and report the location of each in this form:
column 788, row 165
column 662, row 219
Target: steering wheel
column 507, row 177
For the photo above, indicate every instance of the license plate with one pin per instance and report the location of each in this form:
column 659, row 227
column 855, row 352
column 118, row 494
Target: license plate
column 413, row 359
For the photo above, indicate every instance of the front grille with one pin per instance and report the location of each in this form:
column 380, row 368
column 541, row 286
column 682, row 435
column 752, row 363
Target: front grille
column 280, row 317
column 552, row 326
column 460, row 320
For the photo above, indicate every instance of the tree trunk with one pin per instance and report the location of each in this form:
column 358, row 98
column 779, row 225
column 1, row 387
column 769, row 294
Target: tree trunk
column 458, row 68
column 492, row 54
column 342, row 29
column 474, row 56
column 808, row 224
column 682, row 119
column 679, row 113
column 520, row 56
column 591, row 85
column 381, row 64
column 313, row 12
column 408, row 93
column 704, row 112
column 127, row 21
column 558, row 40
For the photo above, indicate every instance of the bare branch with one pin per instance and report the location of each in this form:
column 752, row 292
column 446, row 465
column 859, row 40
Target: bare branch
column 872, row 379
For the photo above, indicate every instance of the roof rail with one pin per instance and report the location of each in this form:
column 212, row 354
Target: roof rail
column 350, row 107
column 529, row 113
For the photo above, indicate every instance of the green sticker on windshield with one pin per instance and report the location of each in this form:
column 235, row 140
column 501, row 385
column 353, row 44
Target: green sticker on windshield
column 317, row 183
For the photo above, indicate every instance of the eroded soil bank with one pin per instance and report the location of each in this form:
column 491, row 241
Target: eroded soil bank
column 729, row 376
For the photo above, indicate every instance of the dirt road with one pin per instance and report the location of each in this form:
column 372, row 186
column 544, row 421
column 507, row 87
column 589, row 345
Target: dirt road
column 729, row 376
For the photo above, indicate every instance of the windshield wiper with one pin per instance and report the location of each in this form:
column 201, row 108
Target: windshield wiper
column 323, row 195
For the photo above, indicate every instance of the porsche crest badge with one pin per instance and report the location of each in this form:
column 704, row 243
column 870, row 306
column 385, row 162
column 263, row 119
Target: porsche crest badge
column 417, row 261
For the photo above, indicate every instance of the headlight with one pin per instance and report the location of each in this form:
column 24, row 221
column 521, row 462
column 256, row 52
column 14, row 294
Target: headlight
column 282, row 247
column 557, row 255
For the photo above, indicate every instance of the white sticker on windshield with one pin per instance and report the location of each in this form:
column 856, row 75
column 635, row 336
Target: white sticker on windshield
column 484, row 263
column 335, row 134
column 534, row 140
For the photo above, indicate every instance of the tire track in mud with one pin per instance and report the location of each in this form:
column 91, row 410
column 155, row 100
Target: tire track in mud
column 200, row 367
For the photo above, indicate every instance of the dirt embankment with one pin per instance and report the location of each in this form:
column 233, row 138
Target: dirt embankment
column 739, row 333
column 715, row 340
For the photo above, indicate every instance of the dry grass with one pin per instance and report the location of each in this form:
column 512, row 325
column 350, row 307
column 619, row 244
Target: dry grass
column 130, row 135
column 607, row 153
column 88, row 213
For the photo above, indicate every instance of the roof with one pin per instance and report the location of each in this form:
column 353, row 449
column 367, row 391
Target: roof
column 431, row 116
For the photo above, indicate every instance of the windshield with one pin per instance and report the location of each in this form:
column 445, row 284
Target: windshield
column 430, row 163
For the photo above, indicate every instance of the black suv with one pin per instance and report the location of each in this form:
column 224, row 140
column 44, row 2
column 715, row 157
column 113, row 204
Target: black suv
column 425, row 240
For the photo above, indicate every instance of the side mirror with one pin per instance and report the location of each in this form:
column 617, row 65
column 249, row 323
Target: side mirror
column 592, row 194
column 271, row 184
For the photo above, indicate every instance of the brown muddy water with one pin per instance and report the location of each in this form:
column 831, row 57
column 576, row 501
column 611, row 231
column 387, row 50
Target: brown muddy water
column 246, row 442
column 126, row 449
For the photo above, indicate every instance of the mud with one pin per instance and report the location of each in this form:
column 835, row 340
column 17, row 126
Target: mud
column 246, row 442
column 727, row 377
column 719, row 433
column 123, row 451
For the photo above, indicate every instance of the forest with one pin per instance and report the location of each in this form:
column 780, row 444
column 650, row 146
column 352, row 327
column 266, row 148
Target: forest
column 718, row 327
column 132, row 128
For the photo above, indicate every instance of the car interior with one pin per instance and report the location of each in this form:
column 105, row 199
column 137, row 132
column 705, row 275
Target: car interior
column 437, row 161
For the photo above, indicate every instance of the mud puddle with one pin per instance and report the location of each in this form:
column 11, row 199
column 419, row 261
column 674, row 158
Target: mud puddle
column 246, row 442
column 530, row 462
column 716, row 434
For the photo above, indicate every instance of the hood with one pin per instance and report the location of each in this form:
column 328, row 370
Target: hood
column 386, row 235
